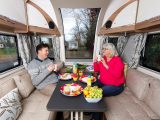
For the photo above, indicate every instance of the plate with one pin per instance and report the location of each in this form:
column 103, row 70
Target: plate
column 71, row 89
column 65, row 76
column 85, row 77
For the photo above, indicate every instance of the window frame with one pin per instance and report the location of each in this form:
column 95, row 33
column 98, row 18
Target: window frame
column 70, row 61
column 17, row 51
column 143, row 52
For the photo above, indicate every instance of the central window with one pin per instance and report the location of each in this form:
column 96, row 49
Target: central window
column 79, row 32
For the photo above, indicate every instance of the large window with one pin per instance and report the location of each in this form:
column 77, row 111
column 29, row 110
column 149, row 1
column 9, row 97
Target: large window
column 150, row 57
column 113, row 40
column 79, row 32
column 9, row 57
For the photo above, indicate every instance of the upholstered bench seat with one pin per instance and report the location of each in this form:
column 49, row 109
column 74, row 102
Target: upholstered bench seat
column 132, row 104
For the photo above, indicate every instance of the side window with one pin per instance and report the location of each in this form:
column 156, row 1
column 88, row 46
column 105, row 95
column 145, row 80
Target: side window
column 9, row 57
column 49, row 42
column 113, row 40
column 150, row 57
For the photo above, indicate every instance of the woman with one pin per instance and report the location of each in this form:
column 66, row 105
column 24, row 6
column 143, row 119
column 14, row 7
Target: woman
column 111, row 69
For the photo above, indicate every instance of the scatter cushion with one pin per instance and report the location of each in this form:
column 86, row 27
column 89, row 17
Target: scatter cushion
column 10, row 106
column 24, row 84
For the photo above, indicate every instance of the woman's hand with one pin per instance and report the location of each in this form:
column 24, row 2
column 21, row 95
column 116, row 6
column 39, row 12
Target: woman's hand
column 104, row 63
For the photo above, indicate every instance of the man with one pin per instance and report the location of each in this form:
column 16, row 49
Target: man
column 43, row 70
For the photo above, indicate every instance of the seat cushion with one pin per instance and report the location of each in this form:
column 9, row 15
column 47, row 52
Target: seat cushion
column 124, row 107
column 24, row 84
column 34, row 108
column 6, row 87
column 153, row 97
column 138, row 83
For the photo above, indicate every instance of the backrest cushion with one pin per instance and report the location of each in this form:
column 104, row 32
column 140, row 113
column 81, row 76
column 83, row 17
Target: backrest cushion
column 24, row 84
column 138, row 83
column 10, row 105
column 6, row 86
column 153, row 97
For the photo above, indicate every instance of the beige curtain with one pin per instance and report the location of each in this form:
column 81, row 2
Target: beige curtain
column 24, row 47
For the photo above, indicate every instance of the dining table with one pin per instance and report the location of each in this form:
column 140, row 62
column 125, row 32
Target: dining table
column 76, row 105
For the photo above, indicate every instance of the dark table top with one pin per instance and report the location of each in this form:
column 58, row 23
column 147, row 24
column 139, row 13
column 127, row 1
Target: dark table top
column 60, row 102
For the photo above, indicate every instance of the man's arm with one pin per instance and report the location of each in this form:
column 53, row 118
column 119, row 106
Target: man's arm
column 37, row 76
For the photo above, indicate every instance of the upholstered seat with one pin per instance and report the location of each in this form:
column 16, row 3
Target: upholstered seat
column 33, row 102
column 131, row 105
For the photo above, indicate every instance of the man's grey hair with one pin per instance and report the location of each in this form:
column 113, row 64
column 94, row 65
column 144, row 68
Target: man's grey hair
column 110, row 47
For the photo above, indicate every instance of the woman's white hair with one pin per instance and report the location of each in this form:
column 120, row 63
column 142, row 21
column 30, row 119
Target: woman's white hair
column 110, row 47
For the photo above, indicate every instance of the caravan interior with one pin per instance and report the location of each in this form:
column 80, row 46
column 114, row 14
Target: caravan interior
column 75, row 32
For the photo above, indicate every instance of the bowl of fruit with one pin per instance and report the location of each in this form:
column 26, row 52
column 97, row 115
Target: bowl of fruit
column 92, row 94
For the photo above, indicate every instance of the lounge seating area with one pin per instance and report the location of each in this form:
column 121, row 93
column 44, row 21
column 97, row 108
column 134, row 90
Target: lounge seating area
column 33, row 102
column 139, row 100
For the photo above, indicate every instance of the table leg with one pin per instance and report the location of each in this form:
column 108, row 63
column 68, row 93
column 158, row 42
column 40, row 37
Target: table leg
column 81, row 115
column 76, row 116
column 71, row 115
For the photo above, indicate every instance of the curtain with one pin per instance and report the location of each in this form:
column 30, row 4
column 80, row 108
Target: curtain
column 56, row 47
column 140, row 43
column 132, row 51
column 24, row 47
column 122, row 41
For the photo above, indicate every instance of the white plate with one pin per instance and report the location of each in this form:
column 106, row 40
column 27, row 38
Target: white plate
column 65, row 76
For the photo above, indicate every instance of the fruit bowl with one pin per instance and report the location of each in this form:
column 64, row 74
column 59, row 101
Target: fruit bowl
column 93, row 100
column 92, row 94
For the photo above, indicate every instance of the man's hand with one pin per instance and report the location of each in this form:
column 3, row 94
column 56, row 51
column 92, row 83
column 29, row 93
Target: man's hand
column 104, row 63
column 51, row 68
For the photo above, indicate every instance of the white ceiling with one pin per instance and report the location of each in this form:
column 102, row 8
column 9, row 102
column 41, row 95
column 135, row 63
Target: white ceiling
column 103, row 4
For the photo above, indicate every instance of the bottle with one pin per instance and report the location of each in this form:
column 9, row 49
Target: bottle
column 89, row 81
column 75, row 69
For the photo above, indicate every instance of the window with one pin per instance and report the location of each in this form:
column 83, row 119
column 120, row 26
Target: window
column 113, row 40
column 150, row 57
column 79, row 32
column 48, row 41
column 9, row 57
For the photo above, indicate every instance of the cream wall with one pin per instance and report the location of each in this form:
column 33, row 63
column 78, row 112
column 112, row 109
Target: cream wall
column 148, row 9
column 35, row 18
column 127, row 16
column 13, row 9
column 47, row 7
column 113, row 6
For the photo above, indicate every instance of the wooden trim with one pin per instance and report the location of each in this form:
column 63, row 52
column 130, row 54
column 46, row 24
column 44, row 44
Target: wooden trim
column 41, row 30
column 115, row 14
column 137, row 11
column 46, row 16
column 9, row 25
column 128, row 28
column 116, row 30
column 26, row 13
column 148, row 24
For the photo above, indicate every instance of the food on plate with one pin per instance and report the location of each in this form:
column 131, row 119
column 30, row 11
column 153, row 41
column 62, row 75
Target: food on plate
column 71, row 89
column 65, row 76
column 84, row 78
column 66, row 90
